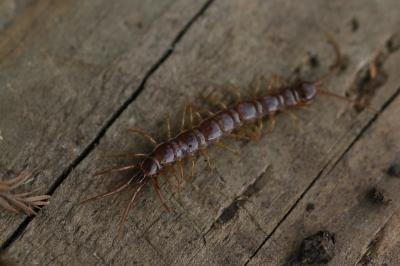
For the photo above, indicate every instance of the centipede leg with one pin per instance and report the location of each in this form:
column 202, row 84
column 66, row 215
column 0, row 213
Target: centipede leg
column 180, row 165
column 192, row 164
column 222, row 145
column 159, row 193
column 167, row 174
column 272, row 122
column 238, row 136
column 116, row 169
column 191, row 115
column 128, row 207
column 294, row 117
column 144, row 135
column 168, row 123
column 259, row 129
column 206, row 158
column 199, row 117
column 110, row 193
column 276, row 82
column 128, row 155
column 183, row 117
column 236, row 92
column 178, row 181
column 212, row 100
column 257, row 86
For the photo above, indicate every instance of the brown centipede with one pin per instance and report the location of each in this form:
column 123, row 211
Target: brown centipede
column 210, row 130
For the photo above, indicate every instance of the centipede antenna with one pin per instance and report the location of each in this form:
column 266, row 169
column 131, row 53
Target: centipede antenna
column 340, row 97
column 110, row 193
column 159, row 193
column 335, row 67
column 116, row 169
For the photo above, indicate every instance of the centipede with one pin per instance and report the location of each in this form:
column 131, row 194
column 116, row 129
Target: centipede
column 209, row 130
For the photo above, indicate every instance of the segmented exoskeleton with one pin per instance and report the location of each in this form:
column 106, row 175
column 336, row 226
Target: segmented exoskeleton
column 211, row 129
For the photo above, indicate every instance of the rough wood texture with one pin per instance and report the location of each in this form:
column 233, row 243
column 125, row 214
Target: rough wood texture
column 251, row 209
column 66, row 69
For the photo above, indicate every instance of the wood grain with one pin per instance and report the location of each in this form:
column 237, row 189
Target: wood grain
column 66, row 69
column 249, row 208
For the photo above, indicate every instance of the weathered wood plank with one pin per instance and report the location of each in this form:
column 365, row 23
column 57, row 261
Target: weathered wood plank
column 384, row 246
column 226, row 214
column 66, row 67
column 342, row 204
column 10, row 10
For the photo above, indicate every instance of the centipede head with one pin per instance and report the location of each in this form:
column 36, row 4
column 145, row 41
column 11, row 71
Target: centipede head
column 307, row 92
column 149, row 167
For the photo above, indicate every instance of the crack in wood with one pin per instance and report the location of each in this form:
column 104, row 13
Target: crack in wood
column 368, row 256
column 362, row 132
column 229, row 212
column 92, row 145
column 372, row 76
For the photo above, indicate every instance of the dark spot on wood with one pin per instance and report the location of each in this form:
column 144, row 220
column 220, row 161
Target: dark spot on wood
column 393, row 44
column 318, row 248
column 6, row 261
column 255, row 187
column 228, row 213
column 139, row 25
column 377, row 195
column 372, row 248
column 369, row 79
column 310, row 207
column 354, row 24
column 344, row 63
column 394, row 170
column 313, row 60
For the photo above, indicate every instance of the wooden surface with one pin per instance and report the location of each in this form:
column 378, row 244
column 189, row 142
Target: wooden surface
column 75, row 76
